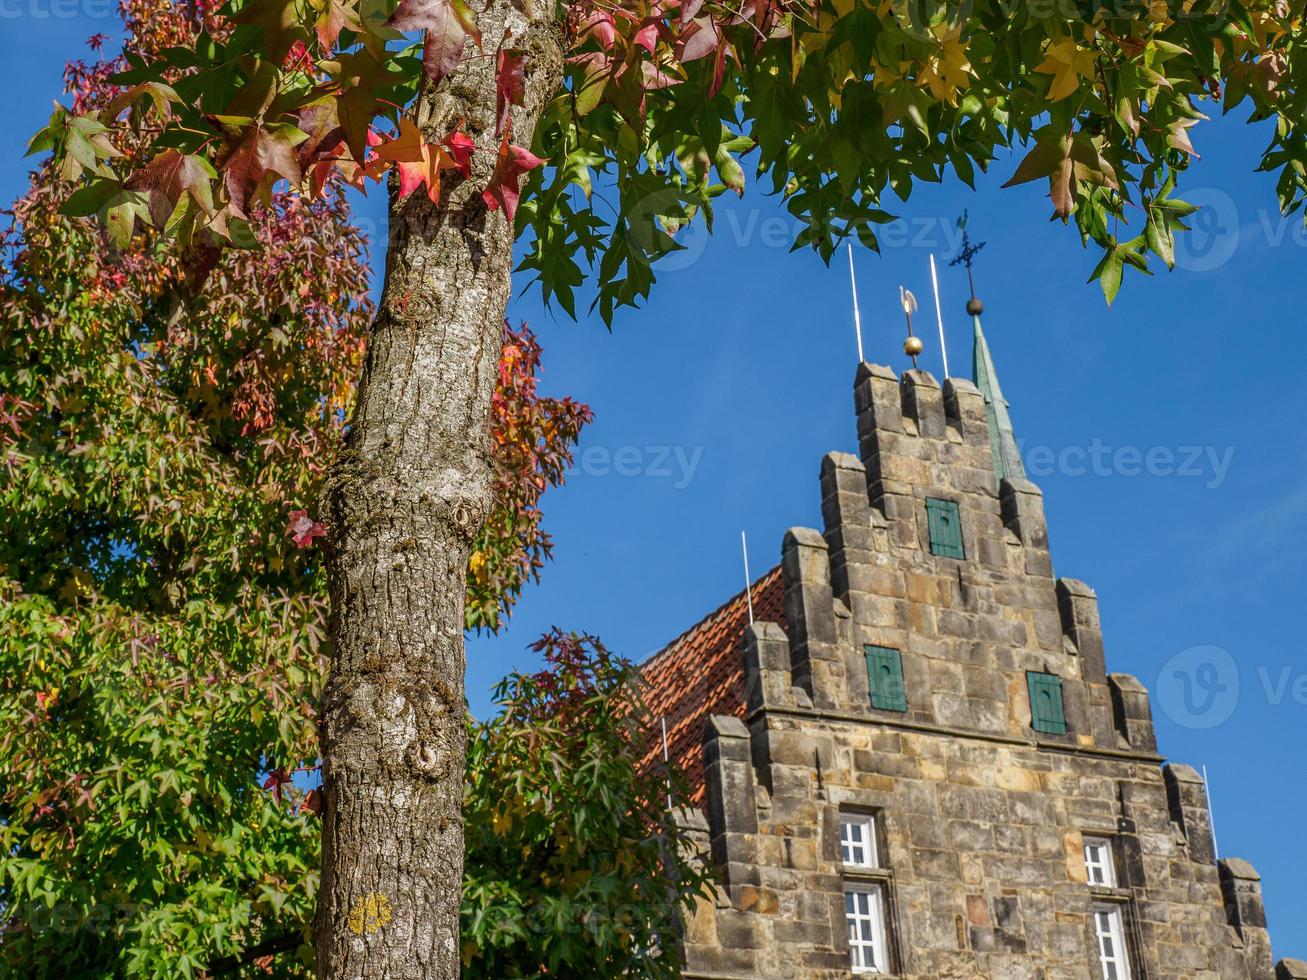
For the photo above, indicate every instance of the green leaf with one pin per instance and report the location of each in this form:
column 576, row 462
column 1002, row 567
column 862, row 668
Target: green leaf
column 1108, row 273
column 52, row 135
column 1045, row 157
column 90, row 199
column 1159, row 238
column 120, row 221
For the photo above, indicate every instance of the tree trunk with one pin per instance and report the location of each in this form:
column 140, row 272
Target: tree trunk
column 404, row 503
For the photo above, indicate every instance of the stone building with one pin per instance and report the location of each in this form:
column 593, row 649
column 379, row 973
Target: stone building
column 914, row 762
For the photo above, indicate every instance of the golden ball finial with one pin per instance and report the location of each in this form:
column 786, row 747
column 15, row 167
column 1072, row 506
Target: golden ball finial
column 913, row 346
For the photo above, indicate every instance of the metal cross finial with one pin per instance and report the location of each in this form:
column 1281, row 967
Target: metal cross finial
column 966, row 255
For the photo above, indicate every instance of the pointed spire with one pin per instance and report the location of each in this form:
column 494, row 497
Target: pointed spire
column 1002, row 438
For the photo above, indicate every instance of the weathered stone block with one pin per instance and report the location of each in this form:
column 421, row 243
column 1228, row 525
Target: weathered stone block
column 964, row 407
column 923, row 402
column 1078, row 605
column 1132, row 712
column 1187, row 798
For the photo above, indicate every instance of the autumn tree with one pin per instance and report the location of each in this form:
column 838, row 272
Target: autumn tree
column 166, row 422
column 576, row 865
column 494, row 128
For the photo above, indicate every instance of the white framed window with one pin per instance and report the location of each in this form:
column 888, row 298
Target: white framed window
column 1109, row 927
column 858, row 840
column 1098, row 862
column 864, row 911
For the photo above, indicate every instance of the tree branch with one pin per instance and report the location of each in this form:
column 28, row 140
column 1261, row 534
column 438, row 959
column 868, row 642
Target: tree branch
column 269, row 947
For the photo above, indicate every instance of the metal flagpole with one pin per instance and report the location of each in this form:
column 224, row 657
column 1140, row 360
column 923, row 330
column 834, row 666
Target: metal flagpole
column 939, row 314
column 748, row 582
column 667, row 762
column 857, row 317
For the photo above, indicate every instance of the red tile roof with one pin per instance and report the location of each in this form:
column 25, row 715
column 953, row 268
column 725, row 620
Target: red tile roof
column 701, row 673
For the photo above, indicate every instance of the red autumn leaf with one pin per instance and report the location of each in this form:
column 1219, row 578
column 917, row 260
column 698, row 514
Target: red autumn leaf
column 354, row 174
column 417, row 161
column 510, row 85
column 303, row 529
column 719, row 68
column 259, row 161
column 647, row 36
column 460, row 147
column 321, row 122
column 328, row 27
column 653, row 77
column 699, row 39
column 331, row 21
column 505, row 184
column 275, row 781
column 166, row 178
column 424, row 171
column 602, row 27
column 448, row 23
column 405, row 145
column 298, row 58
column 323, row 169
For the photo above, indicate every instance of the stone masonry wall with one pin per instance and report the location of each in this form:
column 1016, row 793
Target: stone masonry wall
column 981, row 817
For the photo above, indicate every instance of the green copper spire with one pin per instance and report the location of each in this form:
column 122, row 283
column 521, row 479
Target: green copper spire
column 1002, row 440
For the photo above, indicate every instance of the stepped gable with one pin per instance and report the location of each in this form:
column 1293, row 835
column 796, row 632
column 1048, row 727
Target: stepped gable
column 916, row 763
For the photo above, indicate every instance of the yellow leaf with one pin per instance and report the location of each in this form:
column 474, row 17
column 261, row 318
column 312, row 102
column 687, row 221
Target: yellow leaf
column 883, row 76
column 950, row 70
column 77, row 585
column 1067, row 62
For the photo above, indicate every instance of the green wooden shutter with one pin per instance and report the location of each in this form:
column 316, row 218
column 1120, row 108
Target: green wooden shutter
column 945, row 528
column 885, row 673
column 1046, row 712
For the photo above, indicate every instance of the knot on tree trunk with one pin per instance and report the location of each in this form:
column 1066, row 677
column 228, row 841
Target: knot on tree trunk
column 408, row 723
column 428, row 760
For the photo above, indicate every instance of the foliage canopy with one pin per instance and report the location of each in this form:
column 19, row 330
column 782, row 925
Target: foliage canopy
column 843, row 101
column 576, row 866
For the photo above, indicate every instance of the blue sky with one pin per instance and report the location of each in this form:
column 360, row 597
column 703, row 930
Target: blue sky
column 1166, row 432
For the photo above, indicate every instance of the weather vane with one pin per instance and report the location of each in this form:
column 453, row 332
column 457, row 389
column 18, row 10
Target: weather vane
column 912, row 346
column 965, row 256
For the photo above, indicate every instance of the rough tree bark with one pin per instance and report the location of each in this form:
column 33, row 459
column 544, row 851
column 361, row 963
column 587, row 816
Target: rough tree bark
column 405, row 501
